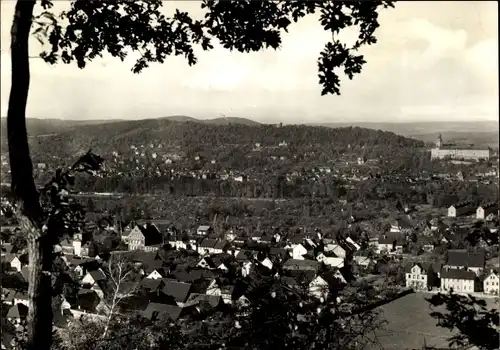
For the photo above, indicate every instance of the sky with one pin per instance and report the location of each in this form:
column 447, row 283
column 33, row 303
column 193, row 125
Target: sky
column 434, row 61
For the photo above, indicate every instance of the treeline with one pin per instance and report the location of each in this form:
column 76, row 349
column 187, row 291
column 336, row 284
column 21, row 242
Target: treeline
column 274, row 187
column 436, row 192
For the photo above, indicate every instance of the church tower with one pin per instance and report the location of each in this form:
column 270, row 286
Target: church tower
column 439, row 142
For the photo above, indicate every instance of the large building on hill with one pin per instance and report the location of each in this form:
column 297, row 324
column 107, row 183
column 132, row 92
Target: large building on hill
column 455, row 152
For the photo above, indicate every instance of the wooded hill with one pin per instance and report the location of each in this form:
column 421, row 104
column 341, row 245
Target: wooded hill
column 120, row 136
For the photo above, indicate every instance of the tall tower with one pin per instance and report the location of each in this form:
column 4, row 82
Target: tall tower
column 439, row 142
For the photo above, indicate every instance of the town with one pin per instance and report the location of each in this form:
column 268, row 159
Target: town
column 247, row 175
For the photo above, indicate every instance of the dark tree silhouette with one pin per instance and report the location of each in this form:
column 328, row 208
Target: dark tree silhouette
column 476, row 324
column 90, row 28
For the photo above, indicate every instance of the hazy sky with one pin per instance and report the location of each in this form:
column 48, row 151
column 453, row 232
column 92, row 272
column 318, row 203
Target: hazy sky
column 433, row 61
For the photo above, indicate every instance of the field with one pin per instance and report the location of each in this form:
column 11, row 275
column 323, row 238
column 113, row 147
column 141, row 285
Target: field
column 410, row 324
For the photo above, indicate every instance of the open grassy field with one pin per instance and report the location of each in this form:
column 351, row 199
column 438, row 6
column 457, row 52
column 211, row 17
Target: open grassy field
column 409, row 323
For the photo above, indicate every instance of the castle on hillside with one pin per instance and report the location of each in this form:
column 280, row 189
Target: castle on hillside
column 455, row 152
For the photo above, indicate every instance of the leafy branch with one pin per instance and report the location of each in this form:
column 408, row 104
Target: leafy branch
column 119, row 27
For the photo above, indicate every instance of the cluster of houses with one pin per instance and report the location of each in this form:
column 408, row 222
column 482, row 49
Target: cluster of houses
column 175, row 290
column 463, row 272
column 487, row 211
column 201, row 281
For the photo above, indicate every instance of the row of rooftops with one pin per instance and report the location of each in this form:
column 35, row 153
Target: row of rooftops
column 487, row 205
column 458, row 265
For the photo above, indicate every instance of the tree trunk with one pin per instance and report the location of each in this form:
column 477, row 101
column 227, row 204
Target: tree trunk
column 28, row 211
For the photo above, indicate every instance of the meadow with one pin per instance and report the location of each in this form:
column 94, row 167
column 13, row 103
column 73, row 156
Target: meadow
column 410, row 325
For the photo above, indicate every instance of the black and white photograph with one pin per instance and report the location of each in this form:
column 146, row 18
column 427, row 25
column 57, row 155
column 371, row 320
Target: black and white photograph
column 249, row 175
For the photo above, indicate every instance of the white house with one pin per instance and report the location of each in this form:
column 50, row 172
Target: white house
column 238, row 178
column 135, row 239
column 77, row 246
column 336, row 249
column 484, row 210
column 203, row 230
column 14, row 262
column 298, row 252
column 330, row 260
column 354, row 244
column 460, row 281
column 222, row 267
column 460, row 209
column 155, row 275
column 92, row 277
column 491, row 283
column 205, row 263
column 417, row 277
column 319, row 288
column 362, row 260
column 267, row 263
column 207, row 246
column 224, row 291
column 246, row 268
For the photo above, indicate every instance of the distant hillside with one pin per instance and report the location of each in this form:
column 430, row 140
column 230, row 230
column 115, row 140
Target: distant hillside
column 187, row 135
column 41, row 127
column 216, row 121
column 37, row 127
column 483, row 134
column 480, row 139
column 421, row 128
column 181, row 118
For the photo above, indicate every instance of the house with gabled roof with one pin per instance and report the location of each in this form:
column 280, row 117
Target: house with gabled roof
column 152, row 285
column 265, row 261
column 301, row 265
column 220, row 246
column 204, row 230
column 224, row 290
column 178, row 290
column 246, row 255
column 207, row 246
column 491, row 283
column 266, row 238
column 460, row 259
column 329, row 259
column 460, row 209
column 157, row 311
column 17, row 313
column 321, row 285
column 362, row 258
column 296, row 239
column 134, row 238
column 460, row 281
column 298, row 251
column 353, row 243
column 13, row 297
column 336, row 249
column 256, row 236
column 157, row 274
column 196, row 299
column 422, row 276
column 486, row 209
column 392, row 243
column 13, row 261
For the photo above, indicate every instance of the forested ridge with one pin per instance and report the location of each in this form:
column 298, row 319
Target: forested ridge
column 121, row 135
